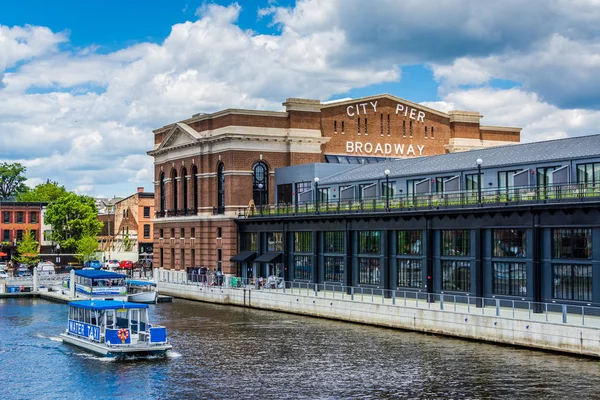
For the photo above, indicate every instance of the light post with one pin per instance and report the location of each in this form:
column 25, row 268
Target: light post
column 57, row 253
column 479, row 162
column 317, row 193
column 387, row 189
column 260, row 196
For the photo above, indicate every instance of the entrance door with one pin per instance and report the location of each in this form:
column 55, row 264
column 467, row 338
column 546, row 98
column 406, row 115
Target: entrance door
column 134, row 325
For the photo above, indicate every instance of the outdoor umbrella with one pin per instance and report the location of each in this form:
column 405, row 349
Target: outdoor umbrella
column 3, row 254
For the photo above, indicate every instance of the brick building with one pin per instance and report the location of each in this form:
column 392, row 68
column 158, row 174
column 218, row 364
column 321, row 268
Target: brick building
column 133, row 223
column 211, row 167
column 16, row 219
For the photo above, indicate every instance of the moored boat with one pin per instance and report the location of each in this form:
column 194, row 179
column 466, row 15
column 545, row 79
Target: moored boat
column 98, row 284
column 139, row 291
column 114, row 328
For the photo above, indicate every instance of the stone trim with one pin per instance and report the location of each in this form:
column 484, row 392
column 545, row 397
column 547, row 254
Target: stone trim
column 500, row 129
column 471, row 117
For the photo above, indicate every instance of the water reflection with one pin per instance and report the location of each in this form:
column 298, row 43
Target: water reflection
column 237, row 353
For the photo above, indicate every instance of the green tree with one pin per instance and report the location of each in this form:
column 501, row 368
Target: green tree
column 28, row 249
column 72, row 217
column 127, row 242
column 45, row 192
column 86, row 248
column 12, row 180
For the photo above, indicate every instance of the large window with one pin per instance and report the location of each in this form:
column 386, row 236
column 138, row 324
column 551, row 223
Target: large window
column 572, row 282
column 439, row 183
column 334, row 269
column 302, row 187
column 303, row 242
column 456, row 243
column 6, row 235
column 456, row 275
column 388, row 189
column 504, row 179
column 334, row 242
column 410, row 273
column 588, row 174
column 146, row 231
column 184, row 184
column 174, row 192
column 250, row 241
column 6, row 217
column 194, row 190
column 33, row 217
column 274, row 241
column 221, row 189
column 509, row 278
column 409, row 243
column 260, row 184
column 369, row 242
column 162, row 193
column 302, row 267
column 369, row 271
column 20, row 217
column 510, row 242
column 544, row 176
column 572, row 243
column 146, row 212
column 472, row 182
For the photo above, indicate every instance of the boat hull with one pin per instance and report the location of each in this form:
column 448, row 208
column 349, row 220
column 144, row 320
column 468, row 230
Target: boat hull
column 143, row 297
column 105, row 350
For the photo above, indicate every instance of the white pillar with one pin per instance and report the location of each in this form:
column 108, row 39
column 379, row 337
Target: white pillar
column 36, row 280
column 72, row 284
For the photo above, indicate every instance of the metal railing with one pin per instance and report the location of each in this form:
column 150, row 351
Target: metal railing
column 470, row 305
column 457, row 199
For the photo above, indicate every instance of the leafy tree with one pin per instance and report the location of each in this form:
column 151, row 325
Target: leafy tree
column 28, row 249
column 72, row 217
column 46, row 192
column 127, row 242
column 86, row 248
column 12, row 180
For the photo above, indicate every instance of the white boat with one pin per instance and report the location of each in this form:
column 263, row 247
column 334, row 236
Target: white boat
column 139, row 291
column 98, row 284
column 114, row 328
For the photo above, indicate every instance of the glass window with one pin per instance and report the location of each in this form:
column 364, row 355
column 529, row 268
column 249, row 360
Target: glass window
column 410, row 273
column 588, row 174
column 456, row 243
column 274, row 241
column 439, row 183
column 221, row 188
column 303, row 242
column 146, row 230
column 369, row 271
column 369, row 242
column 19, row 235
column 302, row 187
column 6, row 235
column 302, row 267
column 6, row 217
column 334, row 242
column 509, row 279
column 146, row 212
column 33, row 217
column 572, row 282
column 409, row 242
column 192, row 232
column 388, row 189
column 510, row 242
column 334, row 269
column 250, row 241
column 20, row 217
column 260, row 184
column 504, row 179
column 456, row 275
column 472, row 182
column 572, row 243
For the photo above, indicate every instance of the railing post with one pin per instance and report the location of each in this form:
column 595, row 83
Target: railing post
column 546, row 312
column 393, row 297
column 564, row 313
column 582, row 315
column 441, row 301
column 468, row 304
column 513, row 309
column 352, row 293
column 428, row 300
column 316, row 291
column 497, row 307
column 405, row 298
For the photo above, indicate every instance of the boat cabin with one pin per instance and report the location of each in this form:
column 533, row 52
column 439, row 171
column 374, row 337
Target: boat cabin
column 97, row 284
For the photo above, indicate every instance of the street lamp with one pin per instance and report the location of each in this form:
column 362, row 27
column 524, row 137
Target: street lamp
column 479, row 162
column 260, row 196
column 387, row 189
column 317, row 193
column 57, row 253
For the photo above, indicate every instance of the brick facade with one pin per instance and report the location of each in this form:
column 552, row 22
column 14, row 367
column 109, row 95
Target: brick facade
column 187, row 156
column 15, row 219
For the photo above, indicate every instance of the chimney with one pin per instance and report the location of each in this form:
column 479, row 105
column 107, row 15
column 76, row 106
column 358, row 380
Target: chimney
column 140, row 189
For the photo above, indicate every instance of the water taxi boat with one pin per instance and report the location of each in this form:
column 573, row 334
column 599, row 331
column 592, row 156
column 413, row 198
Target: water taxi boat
column 139, row 291
column 98, row 284
column 114, row 328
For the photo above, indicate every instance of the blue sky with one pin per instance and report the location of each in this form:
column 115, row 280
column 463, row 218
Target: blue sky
column 82, row 83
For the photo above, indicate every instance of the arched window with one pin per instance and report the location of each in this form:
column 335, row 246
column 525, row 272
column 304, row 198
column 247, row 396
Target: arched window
column 195, row 189
column 185, row 190
column 260, row 184
column 221, row 189
column 174, row 191
column 163, row 195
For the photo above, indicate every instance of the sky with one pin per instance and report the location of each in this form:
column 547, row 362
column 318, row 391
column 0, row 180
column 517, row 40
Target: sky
column 84, row 83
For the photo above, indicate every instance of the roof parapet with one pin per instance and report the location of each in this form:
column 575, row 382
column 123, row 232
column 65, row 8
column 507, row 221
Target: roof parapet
column 471, row 117
column 293, row 104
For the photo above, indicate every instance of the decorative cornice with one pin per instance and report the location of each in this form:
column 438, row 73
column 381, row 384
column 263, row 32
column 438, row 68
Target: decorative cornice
column 501, row 129
column 470, row 117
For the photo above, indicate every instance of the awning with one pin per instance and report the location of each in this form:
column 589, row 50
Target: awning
column 270, row 258
column 243, row 256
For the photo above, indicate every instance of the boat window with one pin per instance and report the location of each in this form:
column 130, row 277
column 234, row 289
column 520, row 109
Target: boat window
column 87, row 316
column 110, row 319
column 80, row 312
column 122, row 319
column 70, row 312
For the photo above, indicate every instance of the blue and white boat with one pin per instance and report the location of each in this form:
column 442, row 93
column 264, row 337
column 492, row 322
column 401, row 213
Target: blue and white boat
column 140, row 291
column 114, row 328
column 98, row 284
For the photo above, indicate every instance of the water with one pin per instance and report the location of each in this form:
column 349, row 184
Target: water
column 236, row 353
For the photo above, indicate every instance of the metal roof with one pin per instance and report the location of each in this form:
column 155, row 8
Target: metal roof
column 105, row 304
column 493, row 157
column 98, row 274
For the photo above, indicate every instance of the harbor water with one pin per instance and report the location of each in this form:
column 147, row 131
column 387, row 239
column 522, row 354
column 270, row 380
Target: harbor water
column 238, row 353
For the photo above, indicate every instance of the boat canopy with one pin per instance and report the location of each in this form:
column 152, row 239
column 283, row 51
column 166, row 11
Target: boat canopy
column 98, row 274
column 105, row 304
column 140, row 283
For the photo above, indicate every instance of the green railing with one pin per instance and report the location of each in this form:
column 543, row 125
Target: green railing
column 459, row 199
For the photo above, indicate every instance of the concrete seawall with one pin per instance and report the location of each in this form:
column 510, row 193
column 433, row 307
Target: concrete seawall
column 566, row 338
